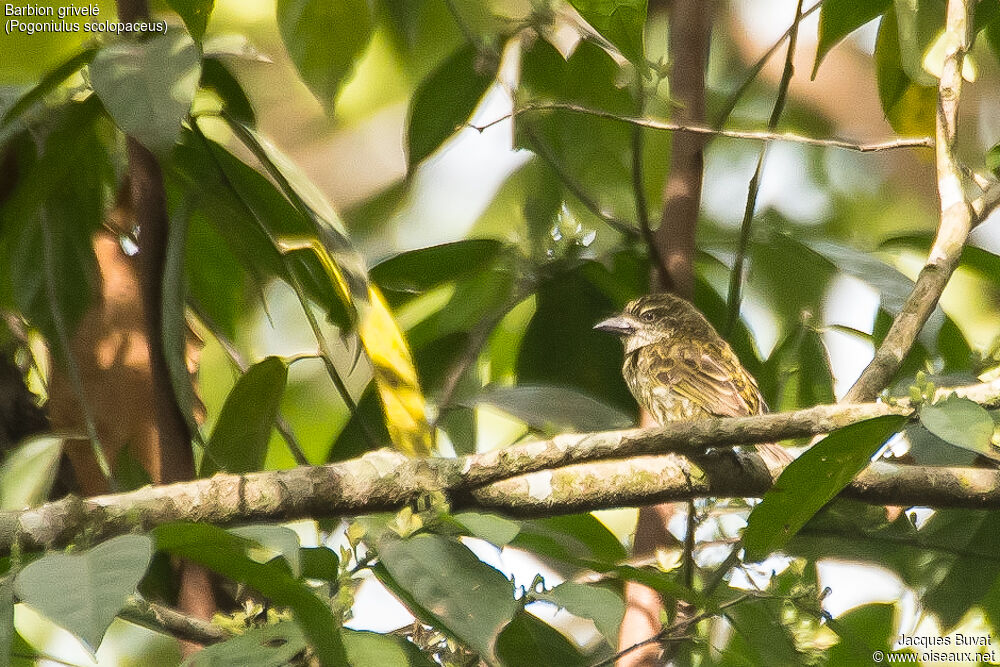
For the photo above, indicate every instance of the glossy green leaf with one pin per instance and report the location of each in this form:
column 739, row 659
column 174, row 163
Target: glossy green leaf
column 28, row 472
column 103, row 577
column 908, row 105
column 445, row 100
column 839, row 18
column 961, row 422
column 621, row 22
column 467, row 598
column 416, row 271
column 269, row 646
column 195, row 14
column 148, row 87
column 527, row 641
column 239, row 440
column 370, row 649
column 601, row 605
column 215, row 76
column 324, row 40
column 227, row 554
column 811, row 481
column 862, row 631
column 554, row 409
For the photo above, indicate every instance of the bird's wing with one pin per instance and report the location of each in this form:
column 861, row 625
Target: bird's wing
column 715, row 382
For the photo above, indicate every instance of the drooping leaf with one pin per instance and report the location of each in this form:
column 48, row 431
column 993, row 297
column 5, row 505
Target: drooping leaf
column 445, row 100
column 554, row 409
column 324, row 40
column 239, row 440
column 811, row 481
column 216, row 76
column 577, row 539
column 28, row 471
column 601, row 605
column 839, row 18
column 862, row 631
column 961, row 422
column 49, row 83
column 148, row 86
column 195, row 14
column 103, row 579
column 908, row 105
column 270, row 646
column 528, row 641
column 467, row 598
column 621, row 22
column 227, row 554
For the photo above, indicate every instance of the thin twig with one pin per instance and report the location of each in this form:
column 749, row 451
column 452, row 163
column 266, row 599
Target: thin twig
column 639, row 192
column 746, row 228
column 182, row 626
column 953, row 230
column 652, row 123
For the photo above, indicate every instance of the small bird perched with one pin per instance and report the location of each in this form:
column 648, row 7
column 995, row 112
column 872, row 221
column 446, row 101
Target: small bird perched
column 679, row 368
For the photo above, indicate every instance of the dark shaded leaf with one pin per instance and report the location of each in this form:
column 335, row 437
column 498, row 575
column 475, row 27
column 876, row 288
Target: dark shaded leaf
column 797, row 374
column 444, row 101
column 195, row 14
column 620, row 22
column 577, row 539
column 758, row 624
column 416, row 271
column 811, row 481
column 215, row 76
column 863, row 631
column 908, row 105
column 528, row 641
column 269, row 646
column 239, row 439
column 49, row 83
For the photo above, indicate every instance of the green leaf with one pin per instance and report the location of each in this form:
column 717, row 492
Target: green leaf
column 239, row 440
column 324, row 40
column 28, row 472
column 103, row 579
column 444, row 101
column 467, row 598
column 908, row 105
column 416, row 271
column 216, row 76
column 919, row 24
column 227, row 554
column 811, row 481
column 961, row 422
column 604, row 607
column 7, row 630
column 553, row 409
column 576, row 539
column 269, row 646
column 271, row 541
column 147, row 87
column 797, row 374
column 528, row 641
column 839, row 18
column 862, row 631
column 758, row 624
column 319, row 563
column 494, row 529
column 49, row 83
column 621, row 22
column 195, row 14
column 992, row 159
column 370, row 649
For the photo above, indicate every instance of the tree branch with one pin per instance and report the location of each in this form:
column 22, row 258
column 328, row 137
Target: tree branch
column 386, row 480
column 953, row 230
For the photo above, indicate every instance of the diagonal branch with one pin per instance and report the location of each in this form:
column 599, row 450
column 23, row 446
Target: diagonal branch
column 953, row 229
column 499, row 480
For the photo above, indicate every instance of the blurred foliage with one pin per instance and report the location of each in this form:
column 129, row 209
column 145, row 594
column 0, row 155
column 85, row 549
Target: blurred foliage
column 443, row 307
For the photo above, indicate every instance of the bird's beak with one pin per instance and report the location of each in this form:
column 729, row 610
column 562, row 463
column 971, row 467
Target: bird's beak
column 619, row 324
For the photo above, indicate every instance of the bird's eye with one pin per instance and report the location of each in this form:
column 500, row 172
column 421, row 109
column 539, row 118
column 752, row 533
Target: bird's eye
column 648, row 316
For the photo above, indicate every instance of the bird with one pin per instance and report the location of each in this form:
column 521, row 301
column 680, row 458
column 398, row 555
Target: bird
column 679, row 368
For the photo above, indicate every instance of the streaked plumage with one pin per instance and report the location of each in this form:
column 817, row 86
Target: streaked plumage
column 678, row 367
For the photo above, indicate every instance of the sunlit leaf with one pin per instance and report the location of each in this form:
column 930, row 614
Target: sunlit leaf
column 961, row 422
column 370, row 649
column 147, row 87
column 862, row 631
column 620, row 22
column 28, row 472
column 908, row 105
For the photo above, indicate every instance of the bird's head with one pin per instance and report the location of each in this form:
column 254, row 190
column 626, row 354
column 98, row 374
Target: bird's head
column 654, row 318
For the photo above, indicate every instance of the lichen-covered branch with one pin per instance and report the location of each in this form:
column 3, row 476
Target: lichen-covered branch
column 528, row 479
